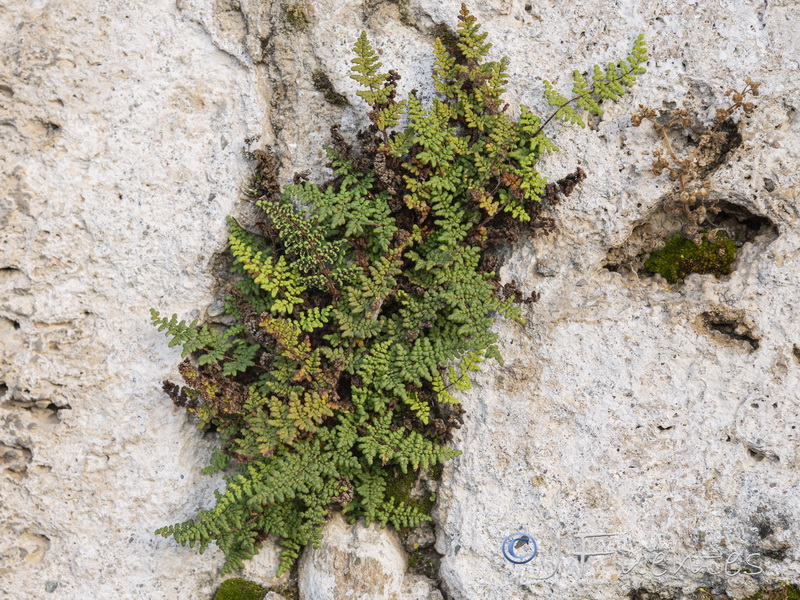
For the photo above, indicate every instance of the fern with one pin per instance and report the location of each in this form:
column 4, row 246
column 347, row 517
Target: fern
column 607, row 84
column 366, row 71
column 367, row 303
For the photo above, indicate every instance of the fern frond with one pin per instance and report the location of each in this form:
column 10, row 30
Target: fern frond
column 366, row 71
column 471, row 41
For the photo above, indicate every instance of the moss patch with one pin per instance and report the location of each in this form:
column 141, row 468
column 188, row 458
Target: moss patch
column 435, row 472
column 400, row 487
column 322, row 83
column 425, row 561
column 785, row 591
column 297, row 17
column 240, row 589
column 680, row 257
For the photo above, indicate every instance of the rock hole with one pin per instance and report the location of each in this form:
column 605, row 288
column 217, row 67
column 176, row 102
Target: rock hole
column 43, row 412
column 15, row 460
column 721, row 220
column 759, row 454
column 52, row 127
column 796, row 352
column 718, row 153
column 528, row 8
column 734, row 325
column 12, row 278
column 652, row 232
column 51, row 414
column 742, row 224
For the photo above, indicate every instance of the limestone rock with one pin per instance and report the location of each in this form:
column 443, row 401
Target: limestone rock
column 624, row 406
column 364, row 563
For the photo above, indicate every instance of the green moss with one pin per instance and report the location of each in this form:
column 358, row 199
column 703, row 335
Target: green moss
column 240, row 589
column 322, row 83
column 680, row 256
column 400, row 486
column 786, row 591
column 297, row 17
column 425, row 561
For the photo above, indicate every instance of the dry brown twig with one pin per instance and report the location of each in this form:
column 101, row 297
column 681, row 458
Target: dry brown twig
column 690, row 171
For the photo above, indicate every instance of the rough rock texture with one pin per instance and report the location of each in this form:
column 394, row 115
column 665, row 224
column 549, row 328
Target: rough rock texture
column 666, row 415
column 359, row 563
column 123, row 131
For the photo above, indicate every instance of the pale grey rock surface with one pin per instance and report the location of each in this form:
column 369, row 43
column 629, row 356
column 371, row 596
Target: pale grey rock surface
column 358, row 562
column 123, row 129
column 618, row 409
